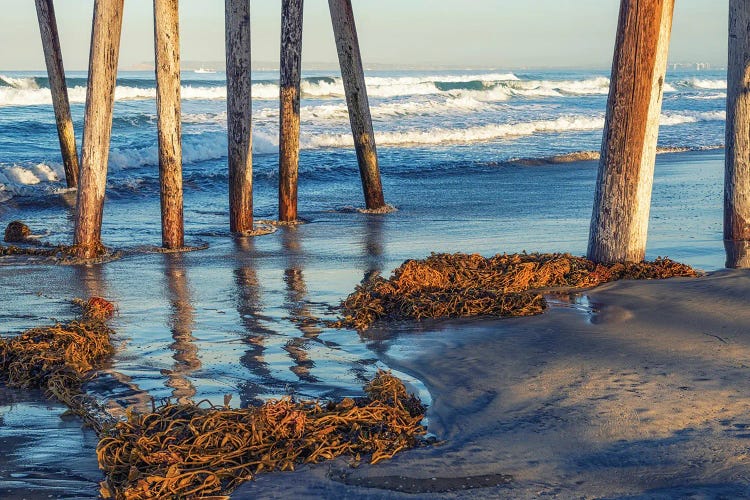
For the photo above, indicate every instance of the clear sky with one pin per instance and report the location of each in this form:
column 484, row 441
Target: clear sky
column 460, row 33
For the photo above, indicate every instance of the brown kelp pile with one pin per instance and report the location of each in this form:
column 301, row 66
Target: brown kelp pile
column 454, row 285
column 59, row 358
column 184, row 451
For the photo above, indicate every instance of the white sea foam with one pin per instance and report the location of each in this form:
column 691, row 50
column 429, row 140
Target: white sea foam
column 680, row 118
column 720, row 95
column 699, row 83
column 25, row 179
column 437, row 135
column 20, row 83
column 496, row 87
column 195, row 148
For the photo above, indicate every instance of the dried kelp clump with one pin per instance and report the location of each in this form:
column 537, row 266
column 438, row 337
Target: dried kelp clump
column 454, row 285
column 184, row 451
column 58, row 358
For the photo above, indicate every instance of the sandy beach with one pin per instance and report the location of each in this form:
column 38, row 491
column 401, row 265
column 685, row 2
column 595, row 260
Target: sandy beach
column 630, row 390
column 638, row 391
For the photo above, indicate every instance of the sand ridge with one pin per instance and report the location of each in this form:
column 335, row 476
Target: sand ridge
column 644, row 393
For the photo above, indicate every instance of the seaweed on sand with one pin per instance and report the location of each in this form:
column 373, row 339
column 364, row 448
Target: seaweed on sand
column 187, row 451
column 58, row 359
column 455, row 285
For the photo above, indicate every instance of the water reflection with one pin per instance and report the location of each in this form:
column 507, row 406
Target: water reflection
column 91, row 280
column 181, row 322
column 116, row 389
column 373, row 245
column 738, row 254
column 249, row 307
column 298, row 307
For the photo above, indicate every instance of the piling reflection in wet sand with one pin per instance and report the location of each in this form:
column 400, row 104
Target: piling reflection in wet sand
column 91, row 280
column 373, row 244
column 249, row 307
column 297, row 305
column 181, row 322
column 121, row 391
column 738, row 254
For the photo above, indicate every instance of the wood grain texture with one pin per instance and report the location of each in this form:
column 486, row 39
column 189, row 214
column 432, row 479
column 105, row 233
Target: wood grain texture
column 619, row 222
column 289, row 97
column 737, row 152
column 45, row 10
column 167, row 58
column 352, row 73
column 239, row 128
column 100, row 97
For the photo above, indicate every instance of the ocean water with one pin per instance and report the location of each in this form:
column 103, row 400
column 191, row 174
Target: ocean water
column 242, row 317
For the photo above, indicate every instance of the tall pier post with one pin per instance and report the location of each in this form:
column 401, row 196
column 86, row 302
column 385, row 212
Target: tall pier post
column 45, row 11
column 100, row 97
column 350, row 60
column 737, row 151
column 239, row 129
column 289, row 97
column 619, row 223
column 167, row 58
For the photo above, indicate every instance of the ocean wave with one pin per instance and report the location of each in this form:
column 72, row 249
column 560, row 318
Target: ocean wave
column 19, row 82
column 488, row 88
column 679, row 118
column 24, row 179
column 703, row 84
column 195, row 148
column 720, row 95
column 437, row 136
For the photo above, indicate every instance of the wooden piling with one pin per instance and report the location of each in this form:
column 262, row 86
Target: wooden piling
column 737, row 151
column 352, row 73
column 45, row 11
column 167, row 58
column 239, row 129
column 619, row 222
column 289, row 97
column 100, row 97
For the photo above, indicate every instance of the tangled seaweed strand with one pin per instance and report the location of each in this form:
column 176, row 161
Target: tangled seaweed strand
column 455, row 285
column 184, row 451
column 59, row 358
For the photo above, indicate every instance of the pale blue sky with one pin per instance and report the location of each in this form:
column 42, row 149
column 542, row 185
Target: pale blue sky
column 461, row 33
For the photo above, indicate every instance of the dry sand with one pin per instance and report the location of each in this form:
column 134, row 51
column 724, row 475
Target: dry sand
column 643, row 392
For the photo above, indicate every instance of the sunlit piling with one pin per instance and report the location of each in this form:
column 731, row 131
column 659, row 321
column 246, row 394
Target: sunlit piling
column 100, row 97
column 737, row 152
column 239, row 129
column 45, row 11
column 289, row 95
column 167, row 59
column 353, row 76
column 626, row 167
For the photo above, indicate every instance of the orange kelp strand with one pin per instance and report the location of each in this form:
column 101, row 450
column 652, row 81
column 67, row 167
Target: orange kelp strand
column 456, row 285
column 59, row 359
column 184, row 451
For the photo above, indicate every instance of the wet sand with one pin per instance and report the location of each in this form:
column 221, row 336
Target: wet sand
column 633, row 398
column 642, row 391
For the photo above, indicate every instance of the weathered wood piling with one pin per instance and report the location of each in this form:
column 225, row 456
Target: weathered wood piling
column 353, row 76
column 622, row 200
column 45, row 11
column 737, row 151
column 239, row 129
column 100, row 97
column 167, row 59
column 289, row 97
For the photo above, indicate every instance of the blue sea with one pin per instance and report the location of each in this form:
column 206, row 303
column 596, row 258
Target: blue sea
column 467, row 159
column 451, row 128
